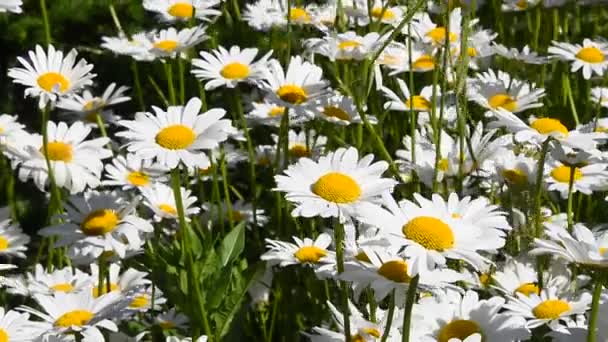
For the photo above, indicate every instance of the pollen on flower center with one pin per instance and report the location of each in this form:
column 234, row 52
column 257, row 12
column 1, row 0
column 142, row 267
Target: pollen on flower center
column 138, row 178
column 418, row 102
column 235, row 70
column 437, row 35
column 429, row 232
column 348, row 44
column 522, row 4
column 99, row 222
column 74, row 318
column 562, row 174
column 139, row 302
column 63, row 287
column 4, row 244
column 4, row 336
column 276, row 111
column 311, row 254
column 113, row 288
column 337, row 187
column 299, row 151
column 166, row 325
column 515, row 176
column 335, row 112
column 527, row 289
column 375, row 333
column 175, row 137
column 292, row 93
column 424, row 62
column 550, row 309
column 472, row 52
column 181, row 10
column 591, row 55
column 58, row 151
column 167, row 45
column 504, row 101
column 53, row 80
column 548, row 126
column 387, row 15
column 168, row 208
column 458, row 329
column 299, row 14
column 395, row 270
column 443, row 164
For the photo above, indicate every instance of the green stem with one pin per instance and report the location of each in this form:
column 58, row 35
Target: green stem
column 569, row 212
column 136, row 81
column 227, row 199
column 571, row 98
column 389, row 318
column 339, row 237
column 538, row 220
column 409, row 304
column 595, row 305
column 182, row 83
column 250, row 151
column 45, row 21
column 170, row 87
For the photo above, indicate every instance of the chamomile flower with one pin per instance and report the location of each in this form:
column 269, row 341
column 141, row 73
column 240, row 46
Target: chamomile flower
column 227, row 68
column 170, row 42
column 599, row 95
column 336, row 185
column 183, row 10
column 408, row 102
column 13, row 6
column 430, row 33
column 297, row 88
column 58, row 280
column 499, row 90
column 590, row 57
column 17, row 327
column 361, row 330
column 268, row 113
column 172, row 319
column 87, row 106
column 450, row 316
column 515, row 170
column 380, row 12
column 518, row 5
column 525, row 55
column 585, row 179
column 50, row 75
column 263, row 15
column 160, row 199
column 397, row 59
column 135, row 47
column 102, row 222
column 307, row 251
column 306, row 143
column 429, row 233
column 132, row 172
column 145, row 298
column 177, row 135
column 10, row 130
column 550, row 308
column 345, row 46
column 341, row 110
column 76, row 162
column 12, row 238
column 120, row 282
column 519, row 275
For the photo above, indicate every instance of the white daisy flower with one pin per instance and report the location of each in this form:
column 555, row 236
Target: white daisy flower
column 336, row 185
column 11, row 131
column 172, row 319
column 345, row 46
column 430, row 33
column 101, row 223
column 407, row 101
column 525, row 55
column 120, row 282
column 298, row 87
column 429, row 233
column 16, row 327
column 518, row 5
column 13, row 6
column 187, row 339
column 49, row 75
column 341, row 110
column 515, row 170
column 453, row 317
column 183, row 10
column 58, row 280
column 361, row 329
column 309, row 252
column 492, row 91
column 142, row 301
column 519, row 275
column 263, row 15
column 177, row 135
column 585, row 179
column 132, row 172
column 170, row 42
column 12, row 238
column 396, row 58
column 76, row 162
column 599, row 95
column 227, row 68
column 306, row 143
column 160, row 199
column 135, row 47
column 548, row 308
column 591, row 56
column 87, row 106
column 268, row 113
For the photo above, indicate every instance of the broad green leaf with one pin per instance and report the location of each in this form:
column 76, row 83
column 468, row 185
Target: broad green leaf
column 233, row 244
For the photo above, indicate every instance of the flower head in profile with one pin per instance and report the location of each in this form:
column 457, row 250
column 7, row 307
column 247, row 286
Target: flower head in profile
column 87, row 106
column 160, row 199
column 171, row 42
column 50, row 75
column 183, row 10
column 12, row 238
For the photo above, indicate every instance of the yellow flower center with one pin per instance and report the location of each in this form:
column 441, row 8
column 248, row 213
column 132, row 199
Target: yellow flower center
column 603, row 250
column 395, row 270
column 591, row 55
column 299, row 14
column 548, row 126
column 166, row 325
column 504, row 101
column 369, row 331
column 361, row 256
column 58, row 151
column 93, row 104
column 522, row 4
column 175, row 137
column 527, row 289
column 485, row 279
column 311, row 254
column 299, row 151
column 139, row 302
column 336, row 112
column 3, row 243
column 74, row 318
column 423, row 63
column 3, row 336
column 237, row 216
column 515, row 176
column 459, row 329
column 562, row 174
column 276, row 111
column 235, row 70
column 51, row 80
column 292, row 93
column 138, row 178
column 429, row 232
column 181, row 10
column 437, row 35
column 472, row 52
column 63, row 287
column 337, row 187
column 99, row 222
column 168, row 208
column 418, row 102
column 348, row 44
column 550, row 309
column 443, row 164
column 113, row 288
column 387, row 15
column 166, row 45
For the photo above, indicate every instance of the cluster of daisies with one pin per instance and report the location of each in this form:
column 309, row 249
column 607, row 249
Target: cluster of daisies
column 471, row 220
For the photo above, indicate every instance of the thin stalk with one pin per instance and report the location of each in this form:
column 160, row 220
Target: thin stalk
column 45, row 21
column 409, row 304
column 595, row 305
column 389, row 318
column 227, row 199
column 102, row 129
column 339, row 240
column 55, row 200
column 170, row 87
column 182, row 82
column 538, row 220
column 568, row 88
column 569, row 212
column 136, row 81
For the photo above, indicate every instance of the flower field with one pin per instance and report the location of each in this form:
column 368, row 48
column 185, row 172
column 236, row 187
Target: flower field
column 285, row 170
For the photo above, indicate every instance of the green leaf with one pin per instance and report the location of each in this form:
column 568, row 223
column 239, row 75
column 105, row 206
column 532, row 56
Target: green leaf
column 233, row 244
